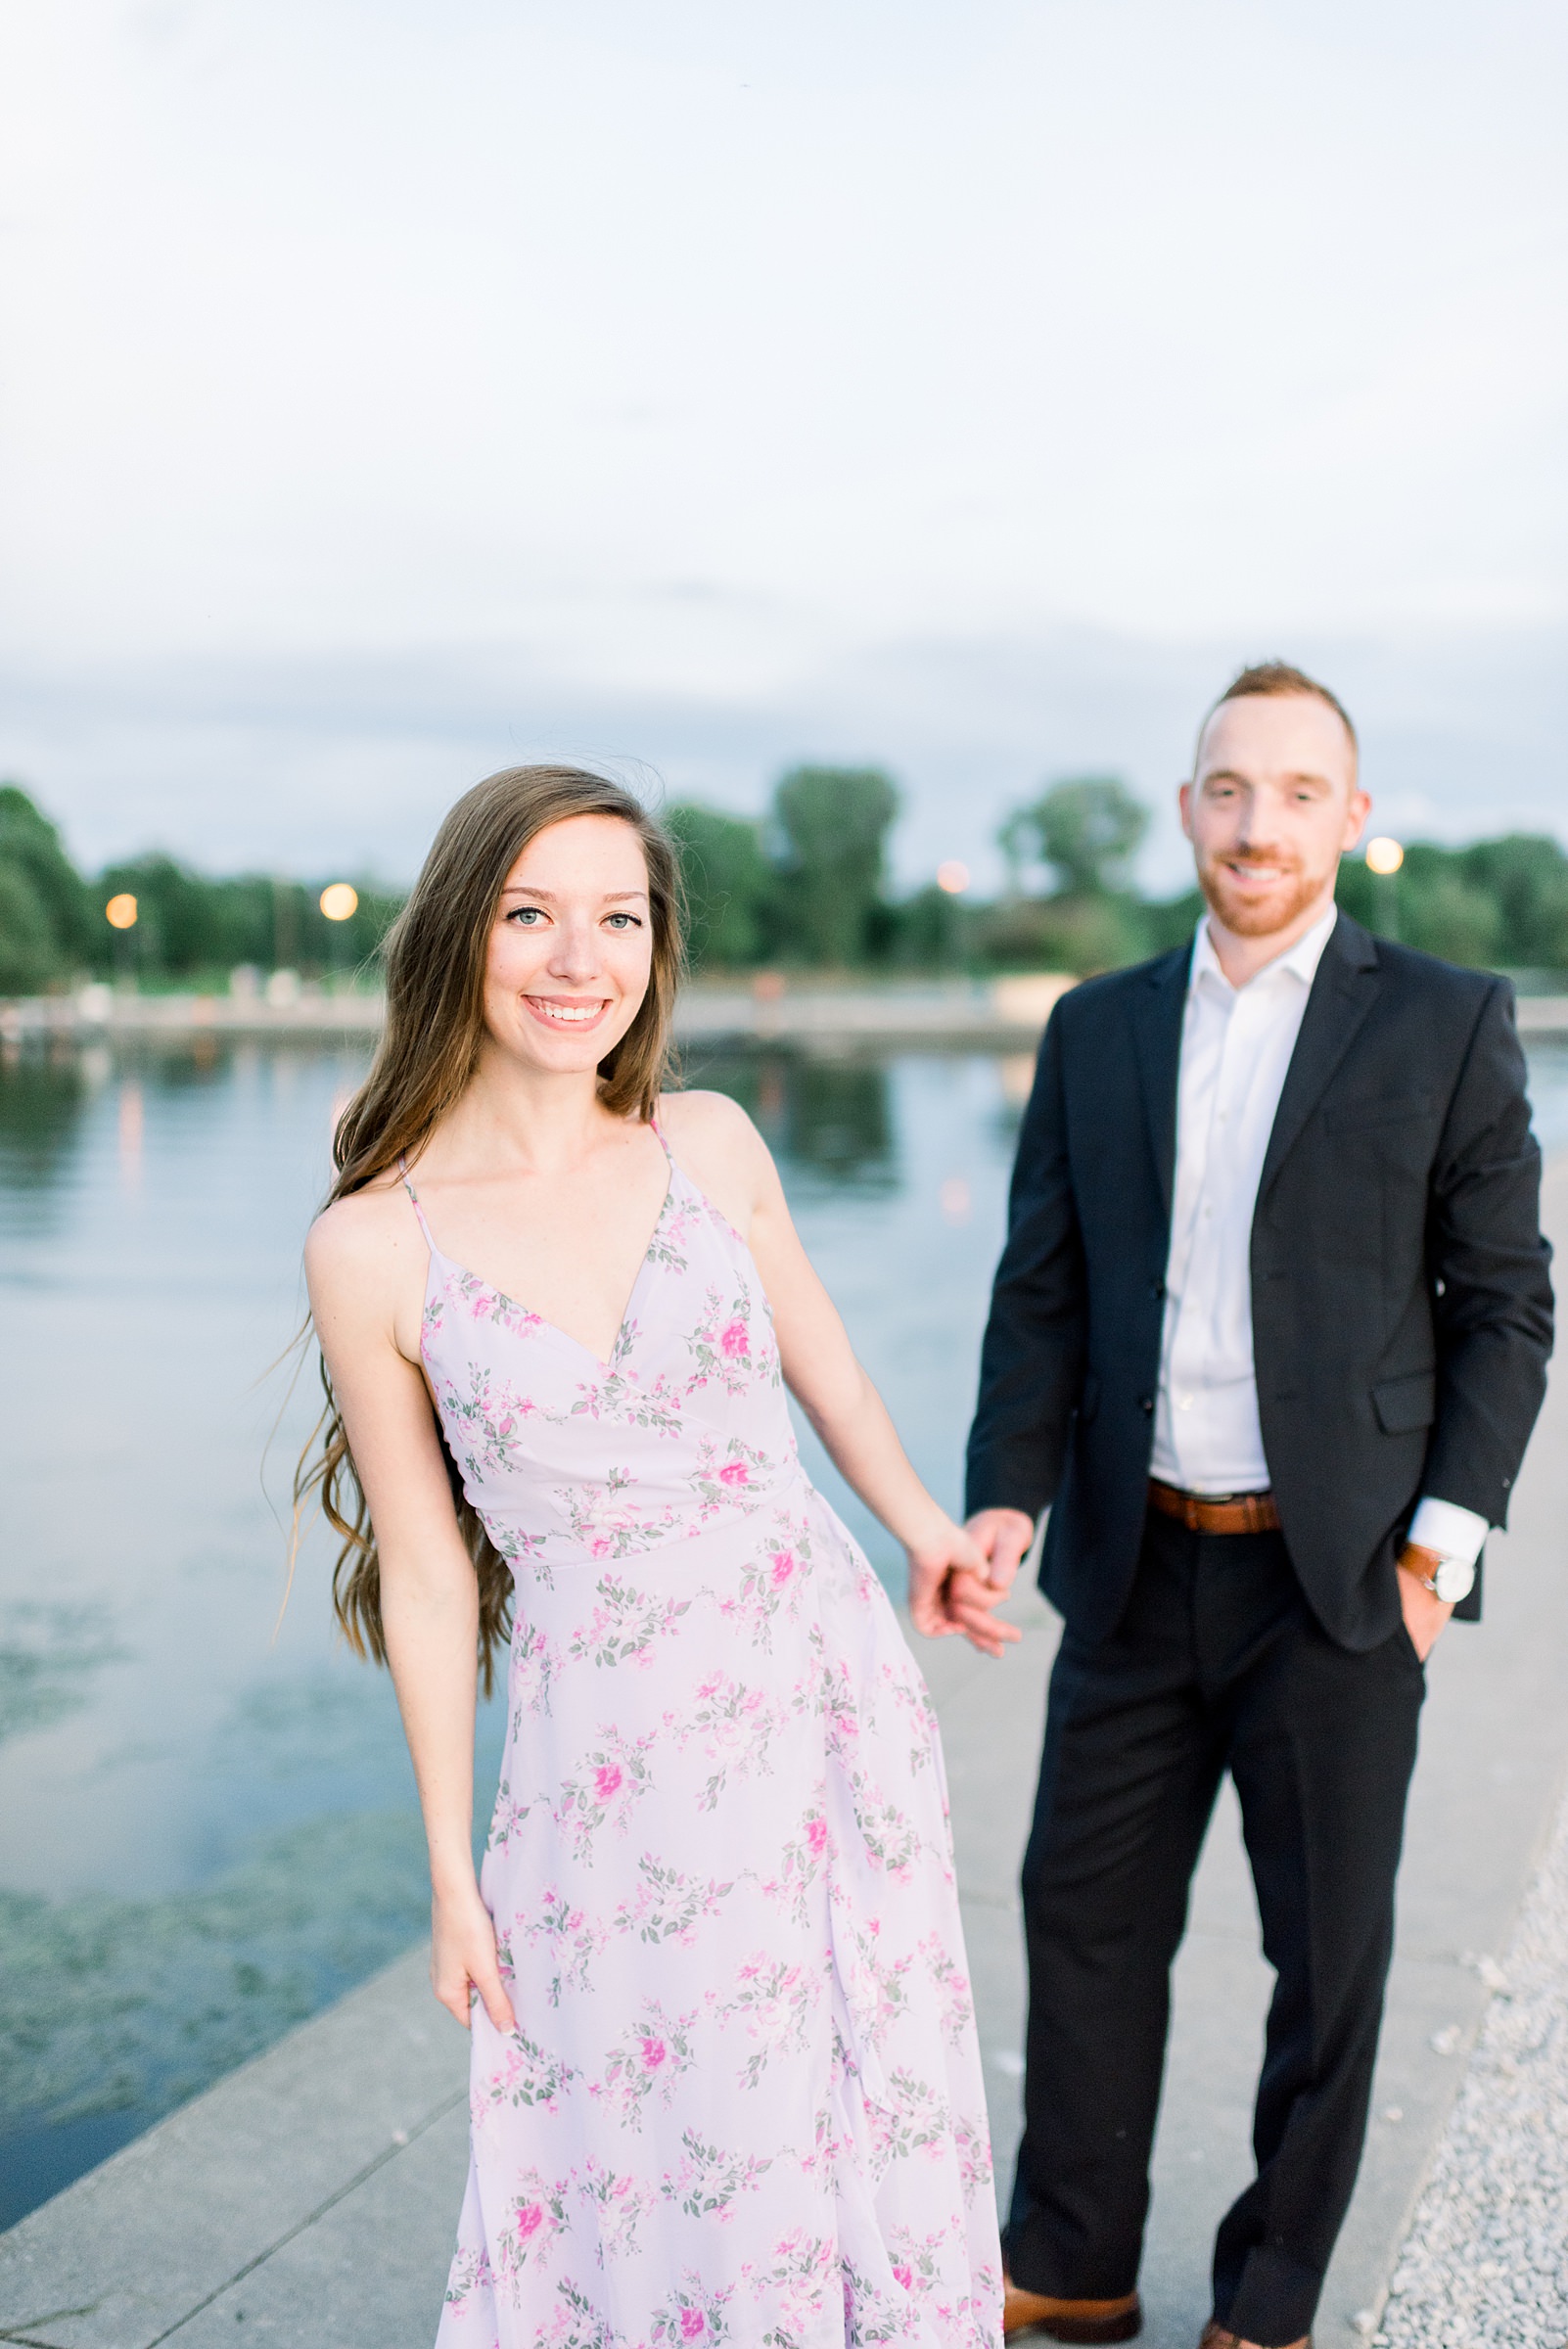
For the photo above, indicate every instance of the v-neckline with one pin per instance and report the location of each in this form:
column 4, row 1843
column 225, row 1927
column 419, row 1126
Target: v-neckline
column 602, row 1363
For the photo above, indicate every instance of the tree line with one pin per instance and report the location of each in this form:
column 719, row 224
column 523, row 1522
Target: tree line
column 189, row 927
column 806, row 883
column 804, row 886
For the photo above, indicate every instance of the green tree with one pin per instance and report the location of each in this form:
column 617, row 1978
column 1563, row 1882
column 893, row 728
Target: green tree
column 1439, row 910
column 46, row 926
column 179, row 926
column 1525, row 875
column 193, row 926
column 730, row 886
column 1087, row 828
column 930, row 930
column 29, row 952
column 833, row 823
column 1170, row 921
column 1081, row 934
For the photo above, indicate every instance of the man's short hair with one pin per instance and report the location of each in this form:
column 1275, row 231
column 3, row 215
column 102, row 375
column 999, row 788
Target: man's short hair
column 1271, row 679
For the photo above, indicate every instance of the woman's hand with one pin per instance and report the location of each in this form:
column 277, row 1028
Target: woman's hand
column 950, row 1593
column 463, row 1957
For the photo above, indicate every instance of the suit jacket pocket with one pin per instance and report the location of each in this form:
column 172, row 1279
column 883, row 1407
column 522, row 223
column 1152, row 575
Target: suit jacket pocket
column 1403, row 1404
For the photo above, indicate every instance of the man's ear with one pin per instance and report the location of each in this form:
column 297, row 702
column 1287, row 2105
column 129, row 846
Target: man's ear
column 1358, row 810
column 1184, row 804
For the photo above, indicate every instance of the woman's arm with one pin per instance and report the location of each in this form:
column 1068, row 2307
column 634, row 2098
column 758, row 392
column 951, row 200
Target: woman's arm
column 429, row 1591
column 948, row 1588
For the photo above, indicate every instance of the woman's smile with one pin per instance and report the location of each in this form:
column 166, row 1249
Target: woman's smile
column 568, row 1011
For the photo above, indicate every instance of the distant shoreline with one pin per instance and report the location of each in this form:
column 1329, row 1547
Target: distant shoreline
column 995, row 1014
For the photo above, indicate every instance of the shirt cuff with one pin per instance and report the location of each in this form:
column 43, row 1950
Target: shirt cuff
column 1452, row 1532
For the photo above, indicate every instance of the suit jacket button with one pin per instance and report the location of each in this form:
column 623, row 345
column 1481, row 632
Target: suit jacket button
column 1157, row 1289
column 1146, row 1403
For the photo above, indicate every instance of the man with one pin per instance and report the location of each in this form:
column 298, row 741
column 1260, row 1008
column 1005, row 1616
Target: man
column 1270, row 1334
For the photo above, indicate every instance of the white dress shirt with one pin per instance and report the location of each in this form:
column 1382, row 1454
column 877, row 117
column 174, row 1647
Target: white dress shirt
column 1236, row 1046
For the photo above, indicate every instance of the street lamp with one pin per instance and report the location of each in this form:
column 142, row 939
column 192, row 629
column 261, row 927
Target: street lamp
column 339, row 903
column 121, row 915
column 1384, row 856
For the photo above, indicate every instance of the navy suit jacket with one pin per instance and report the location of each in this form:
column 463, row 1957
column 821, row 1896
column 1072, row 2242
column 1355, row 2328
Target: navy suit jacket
column 1401, row 1304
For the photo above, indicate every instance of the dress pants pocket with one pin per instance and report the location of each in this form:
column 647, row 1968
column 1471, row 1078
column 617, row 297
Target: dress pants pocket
column 1402, row 1638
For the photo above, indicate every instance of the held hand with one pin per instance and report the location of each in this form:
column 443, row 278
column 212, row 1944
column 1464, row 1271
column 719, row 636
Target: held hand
column 1424, row 1613
column 951, row 1591
column 1003, row 1537
column 463, row 1958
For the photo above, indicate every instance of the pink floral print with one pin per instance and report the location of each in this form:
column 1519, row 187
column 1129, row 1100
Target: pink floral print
column 742, row 2106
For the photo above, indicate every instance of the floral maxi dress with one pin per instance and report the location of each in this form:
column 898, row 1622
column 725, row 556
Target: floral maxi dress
column 742, row 2103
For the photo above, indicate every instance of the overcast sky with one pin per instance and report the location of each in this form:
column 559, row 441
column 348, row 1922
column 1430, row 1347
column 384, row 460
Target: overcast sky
column 393, row 391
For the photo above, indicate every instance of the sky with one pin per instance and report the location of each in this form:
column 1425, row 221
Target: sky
column 390, row 392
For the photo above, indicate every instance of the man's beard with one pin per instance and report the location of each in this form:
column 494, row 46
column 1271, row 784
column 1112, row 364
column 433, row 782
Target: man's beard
column 1248, row 916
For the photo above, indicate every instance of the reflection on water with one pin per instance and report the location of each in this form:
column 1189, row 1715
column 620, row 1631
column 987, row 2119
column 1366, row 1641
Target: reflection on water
column 41, row 1106
column 208, row 1822
column 830, row 1119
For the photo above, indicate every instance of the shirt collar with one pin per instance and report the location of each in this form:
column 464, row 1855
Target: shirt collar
column 1301, row 961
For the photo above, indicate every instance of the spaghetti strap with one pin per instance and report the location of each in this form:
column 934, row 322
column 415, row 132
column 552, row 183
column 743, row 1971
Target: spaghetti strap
column 402, row 1169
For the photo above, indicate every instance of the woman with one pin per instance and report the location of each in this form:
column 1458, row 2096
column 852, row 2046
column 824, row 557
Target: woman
column 725, row 2085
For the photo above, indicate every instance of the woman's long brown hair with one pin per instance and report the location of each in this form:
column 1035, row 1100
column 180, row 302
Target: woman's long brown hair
column 435, row 956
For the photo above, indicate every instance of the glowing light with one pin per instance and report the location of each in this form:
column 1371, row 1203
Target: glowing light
column 953, row 877
column 340, row 900
column 120, row 912
column 1384, row 855
column 955, row 1200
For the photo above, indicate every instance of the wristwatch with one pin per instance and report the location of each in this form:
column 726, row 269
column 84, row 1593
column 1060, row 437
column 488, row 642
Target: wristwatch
column 1448, row 1579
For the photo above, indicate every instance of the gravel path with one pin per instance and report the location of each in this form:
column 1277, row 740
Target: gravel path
column 1487, row 2256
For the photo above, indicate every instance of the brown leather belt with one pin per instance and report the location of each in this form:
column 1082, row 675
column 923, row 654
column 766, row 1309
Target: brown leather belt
column 1215, row 1513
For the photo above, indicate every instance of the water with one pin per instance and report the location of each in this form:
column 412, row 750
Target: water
column 207, row 1825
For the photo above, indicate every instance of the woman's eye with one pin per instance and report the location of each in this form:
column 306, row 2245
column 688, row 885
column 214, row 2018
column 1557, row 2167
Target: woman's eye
column 531, row 915
column 624, row 921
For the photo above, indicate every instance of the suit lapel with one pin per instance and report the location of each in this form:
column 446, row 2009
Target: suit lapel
column 1157, row 1008
column 1342, row 995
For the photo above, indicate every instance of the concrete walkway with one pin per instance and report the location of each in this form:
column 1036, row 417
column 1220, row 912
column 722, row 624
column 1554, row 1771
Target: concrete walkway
column 311, row 2197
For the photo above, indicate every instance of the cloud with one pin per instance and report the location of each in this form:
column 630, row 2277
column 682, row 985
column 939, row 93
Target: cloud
column 396, row 387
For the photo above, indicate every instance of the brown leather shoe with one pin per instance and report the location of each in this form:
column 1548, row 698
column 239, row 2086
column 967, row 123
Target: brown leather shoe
column 1070, row 2319
column 1214, row 2336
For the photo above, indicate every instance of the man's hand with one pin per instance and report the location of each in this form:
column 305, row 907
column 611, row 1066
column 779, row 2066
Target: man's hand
column 948, row 1592
column 1424, row 1612
column 1003, row 1537
column 1002, row 1540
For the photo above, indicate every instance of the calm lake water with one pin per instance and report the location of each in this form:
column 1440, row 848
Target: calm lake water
column 208, row 1824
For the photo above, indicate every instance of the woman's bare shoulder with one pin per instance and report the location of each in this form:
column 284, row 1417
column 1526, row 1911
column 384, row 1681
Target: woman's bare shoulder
column 720, row 1148
column 710, row 1121
column 369, row 1232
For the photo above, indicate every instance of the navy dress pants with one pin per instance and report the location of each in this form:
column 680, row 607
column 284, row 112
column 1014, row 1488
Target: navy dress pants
column 1217, row 1664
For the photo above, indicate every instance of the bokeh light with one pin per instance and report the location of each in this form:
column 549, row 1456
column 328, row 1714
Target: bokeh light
column 120, row 912
column 340, row 900
column 1384, row 855
column 953, row 877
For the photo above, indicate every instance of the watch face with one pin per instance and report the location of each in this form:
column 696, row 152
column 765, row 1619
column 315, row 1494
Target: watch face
column 1454, row 1581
